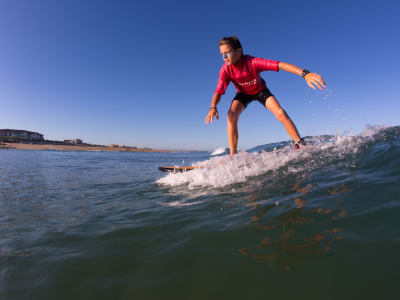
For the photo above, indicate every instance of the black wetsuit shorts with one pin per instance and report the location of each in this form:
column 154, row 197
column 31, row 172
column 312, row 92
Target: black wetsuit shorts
column 261, row 97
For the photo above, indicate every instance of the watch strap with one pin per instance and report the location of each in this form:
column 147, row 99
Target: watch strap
column 305, row 72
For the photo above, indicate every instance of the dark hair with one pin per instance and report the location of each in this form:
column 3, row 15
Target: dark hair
column 232, row 41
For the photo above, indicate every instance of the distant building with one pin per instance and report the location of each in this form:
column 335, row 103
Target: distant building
column 21, row 134
column 114, row 146
column 73, row 141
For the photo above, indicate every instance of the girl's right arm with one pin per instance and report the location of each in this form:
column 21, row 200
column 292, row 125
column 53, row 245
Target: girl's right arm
column 213, row 111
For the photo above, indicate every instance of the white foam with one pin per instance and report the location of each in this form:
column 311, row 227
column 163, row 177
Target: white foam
column 223, row 171
column 370, row 130
column 218, row 151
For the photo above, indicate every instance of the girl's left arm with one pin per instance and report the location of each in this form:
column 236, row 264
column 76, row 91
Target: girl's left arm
column 312, row 79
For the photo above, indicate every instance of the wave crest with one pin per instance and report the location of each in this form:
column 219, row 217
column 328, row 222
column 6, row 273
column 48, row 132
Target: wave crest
column 281, row 160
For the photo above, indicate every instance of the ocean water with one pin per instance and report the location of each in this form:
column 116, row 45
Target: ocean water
column 271, row 223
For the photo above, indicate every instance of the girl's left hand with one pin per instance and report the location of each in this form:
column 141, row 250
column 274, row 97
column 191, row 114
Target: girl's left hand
column 315, row 80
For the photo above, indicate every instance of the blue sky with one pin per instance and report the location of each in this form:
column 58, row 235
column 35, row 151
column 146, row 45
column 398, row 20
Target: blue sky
column 142, row 73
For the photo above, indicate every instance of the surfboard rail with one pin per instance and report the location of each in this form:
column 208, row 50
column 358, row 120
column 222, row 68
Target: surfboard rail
column 178, row 169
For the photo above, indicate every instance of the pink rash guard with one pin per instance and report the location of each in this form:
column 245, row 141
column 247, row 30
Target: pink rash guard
column 245, row 75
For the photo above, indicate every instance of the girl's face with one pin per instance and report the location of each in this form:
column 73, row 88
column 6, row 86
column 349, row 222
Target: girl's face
column 230, row 55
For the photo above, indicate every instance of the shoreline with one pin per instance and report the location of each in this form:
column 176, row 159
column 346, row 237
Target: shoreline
column 22, row 146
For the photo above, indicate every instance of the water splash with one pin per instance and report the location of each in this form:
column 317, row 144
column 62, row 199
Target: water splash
column 219, row 151
column 280, row 161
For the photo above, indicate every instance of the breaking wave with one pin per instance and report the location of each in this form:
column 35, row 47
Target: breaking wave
column 279, row 159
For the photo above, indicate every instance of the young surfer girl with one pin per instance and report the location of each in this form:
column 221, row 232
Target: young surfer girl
column 244, row 71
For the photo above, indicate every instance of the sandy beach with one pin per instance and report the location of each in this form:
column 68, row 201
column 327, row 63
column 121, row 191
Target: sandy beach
column 21, row 146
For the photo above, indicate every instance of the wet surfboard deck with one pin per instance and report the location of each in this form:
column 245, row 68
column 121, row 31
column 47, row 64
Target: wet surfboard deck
column 178, row 169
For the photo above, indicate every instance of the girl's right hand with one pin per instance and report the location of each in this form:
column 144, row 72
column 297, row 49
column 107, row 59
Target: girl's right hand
column 211, row 113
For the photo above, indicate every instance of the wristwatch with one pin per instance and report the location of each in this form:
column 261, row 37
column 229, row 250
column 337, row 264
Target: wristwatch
column 304, row 73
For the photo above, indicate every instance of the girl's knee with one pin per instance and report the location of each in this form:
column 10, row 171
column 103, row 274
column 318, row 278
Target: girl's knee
column 232, row 116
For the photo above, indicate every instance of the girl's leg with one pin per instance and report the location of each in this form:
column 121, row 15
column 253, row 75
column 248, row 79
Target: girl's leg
column 233, row 116
column 273, row 105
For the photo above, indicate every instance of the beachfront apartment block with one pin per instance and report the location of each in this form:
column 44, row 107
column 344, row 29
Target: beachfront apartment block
column 21, row 134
